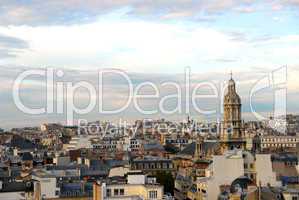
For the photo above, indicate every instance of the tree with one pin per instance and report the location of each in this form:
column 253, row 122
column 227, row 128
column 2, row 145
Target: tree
column 166, row 179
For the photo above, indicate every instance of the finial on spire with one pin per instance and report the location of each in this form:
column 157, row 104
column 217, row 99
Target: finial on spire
column 231, row 74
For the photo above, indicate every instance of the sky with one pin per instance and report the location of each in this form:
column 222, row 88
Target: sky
column 149, row 40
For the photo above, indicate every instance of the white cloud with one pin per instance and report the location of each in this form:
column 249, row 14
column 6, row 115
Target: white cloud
column 10, row 47
column 132, row 45
column 52, row 12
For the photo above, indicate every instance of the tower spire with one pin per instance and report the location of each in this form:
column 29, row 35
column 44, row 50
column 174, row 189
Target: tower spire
column 231, row 74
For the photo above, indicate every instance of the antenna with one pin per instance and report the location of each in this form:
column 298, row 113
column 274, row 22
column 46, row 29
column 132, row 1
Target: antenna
column 231, row 74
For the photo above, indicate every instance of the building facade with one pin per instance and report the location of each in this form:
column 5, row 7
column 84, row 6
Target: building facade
column 232, row 134
column 272, row 142
column 138, row 187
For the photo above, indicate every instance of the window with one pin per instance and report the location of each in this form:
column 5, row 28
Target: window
column 294, row 198
column 245, row 165
column 122, row 192
column 115, row 192
column 153, row 194
column 108, row 192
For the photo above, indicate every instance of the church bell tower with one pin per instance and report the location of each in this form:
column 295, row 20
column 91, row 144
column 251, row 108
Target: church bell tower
column 232, row 134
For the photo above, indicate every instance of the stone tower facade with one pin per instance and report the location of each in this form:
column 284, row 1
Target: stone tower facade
column 232, row 133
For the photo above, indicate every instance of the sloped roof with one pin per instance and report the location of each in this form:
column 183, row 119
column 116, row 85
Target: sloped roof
column 189, row 149
column 27, row 156
column 207, row 145
column 21, row 143
column 16, row 186
column 242, row 181
column 153, row 146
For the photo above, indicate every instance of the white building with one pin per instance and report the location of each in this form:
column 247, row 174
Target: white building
column 226, row 168
column 264, row 173
column 46, row 184
column 111, row 144
column 234, row 164
column 79, row 142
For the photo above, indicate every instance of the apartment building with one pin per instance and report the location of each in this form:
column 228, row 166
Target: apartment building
column 138, row 187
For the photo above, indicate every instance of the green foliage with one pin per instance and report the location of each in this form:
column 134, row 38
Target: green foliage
column 166, row 179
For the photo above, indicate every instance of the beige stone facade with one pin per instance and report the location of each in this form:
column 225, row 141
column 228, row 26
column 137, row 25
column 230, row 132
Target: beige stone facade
column 232, row 134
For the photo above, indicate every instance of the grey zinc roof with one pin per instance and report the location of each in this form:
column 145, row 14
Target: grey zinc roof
column 153, row 146
column 207, row 145
column 27, row 156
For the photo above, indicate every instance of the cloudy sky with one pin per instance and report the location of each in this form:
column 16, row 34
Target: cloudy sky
column 150, row 40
